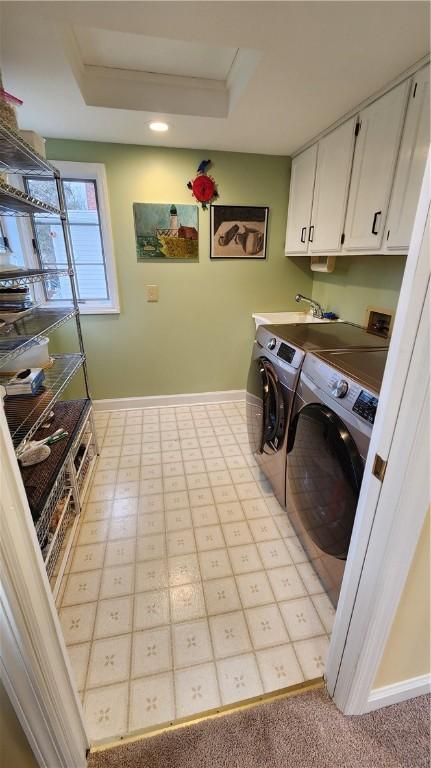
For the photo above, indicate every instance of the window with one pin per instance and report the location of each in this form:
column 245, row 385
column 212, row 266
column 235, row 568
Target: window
column 11, row 251
column 84, row 186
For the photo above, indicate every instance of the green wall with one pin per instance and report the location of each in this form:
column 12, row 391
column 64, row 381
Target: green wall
column 198, row 337
column 359, row 282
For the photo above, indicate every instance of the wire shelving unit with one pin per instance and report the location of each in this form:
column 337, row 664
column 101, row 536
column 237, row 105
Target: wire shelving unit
column 56, row 492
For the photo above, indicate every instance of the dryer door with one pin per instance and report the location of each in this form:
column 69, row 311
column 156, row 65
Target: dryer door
column 324, row 475
column 266, row 409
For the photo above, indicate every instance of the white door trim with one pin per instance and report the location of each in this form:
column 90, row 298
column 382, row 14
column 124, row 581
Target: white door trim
column 384, row 536
column 35, row 669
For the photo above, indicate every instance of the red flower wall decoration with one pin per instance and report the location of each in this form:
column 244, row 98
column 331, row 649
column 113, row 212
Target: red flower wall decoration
column 203, row 187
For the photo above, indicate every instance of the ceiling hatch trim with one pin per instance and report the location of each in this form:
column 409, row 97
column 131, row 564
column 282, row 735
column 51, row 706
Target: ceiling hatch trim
column 126, row 88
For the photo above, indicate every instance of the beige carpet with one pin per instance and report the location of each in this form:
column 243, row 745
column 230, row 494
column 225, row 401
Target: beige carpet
column 304, row 731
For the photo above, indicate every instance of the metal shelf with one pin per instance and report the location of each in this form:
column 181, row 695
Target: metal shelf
column 16, row 156
column 57, row 473
column 60, row 484
column 17, row 337
column 13, row 202
column 56, row 525
column 16, row 277
column 53, row 553
column 64, row 555
column 25, row 414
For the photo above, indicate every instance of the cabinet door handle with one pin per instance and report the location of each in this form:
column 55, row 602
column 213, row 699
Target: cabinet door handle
column 311, row 234
column 303, row 233
column 374, row 228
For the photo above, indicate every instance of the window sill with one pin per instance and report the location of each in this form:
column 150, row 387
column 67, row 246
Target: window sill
column 99, row 310
column 83, row 310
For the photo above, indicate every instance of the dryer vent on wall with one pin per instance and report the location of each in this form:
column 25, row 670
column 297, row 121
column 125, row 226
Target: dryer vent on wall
column 379, row 321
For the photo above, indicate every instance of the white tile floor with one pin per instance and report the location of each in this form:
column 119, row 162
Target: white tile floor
column 187, row 587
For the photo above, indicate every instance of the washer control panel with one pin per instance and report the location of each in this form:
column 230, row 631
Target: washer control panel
column 285, row 353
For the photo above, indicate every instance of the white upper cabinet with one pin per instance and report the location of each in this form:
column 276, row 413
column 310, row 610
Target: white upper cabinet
column 373, row 170
column 334, row 163
column 300, row 200
column 411, row 164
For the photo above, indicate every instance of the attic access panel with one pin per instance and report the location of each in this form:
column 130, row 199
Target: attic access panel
column 120, row 70
column 156, row 55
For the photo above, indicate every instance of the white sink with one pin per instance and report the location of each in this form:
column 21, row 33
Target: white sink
column 281, row 318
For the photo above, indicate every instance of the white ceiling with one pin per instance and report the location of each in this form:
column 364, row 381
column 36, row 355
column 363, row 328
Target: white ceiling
column 318, row 60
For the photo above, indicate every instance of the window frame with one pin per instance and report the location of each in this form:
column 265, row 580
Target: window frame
column 13, row 228
column 96, row 173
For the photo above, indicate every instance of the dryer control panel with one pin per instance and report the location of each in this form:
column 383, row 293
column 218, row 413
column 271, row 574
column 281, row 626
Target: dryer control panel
column 341, row 388
column 366, row 406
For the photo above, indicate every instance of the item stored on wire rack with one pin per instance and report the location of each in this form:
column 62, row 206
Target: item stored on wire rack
column 34, row 454
column 15, row 299
column 59, row 434
column 55, row 519
column 37, row 356
column 25, row 382
column 79, row 454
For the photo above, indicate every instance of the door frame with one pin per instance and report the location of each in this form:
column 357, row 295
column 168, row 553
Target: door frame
column 384, row 538
column 36, row 669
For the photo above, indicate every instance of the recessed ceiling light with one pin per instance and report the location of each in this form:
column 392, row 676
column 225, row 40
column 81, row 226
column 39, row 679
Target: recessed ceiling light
column 158, row 126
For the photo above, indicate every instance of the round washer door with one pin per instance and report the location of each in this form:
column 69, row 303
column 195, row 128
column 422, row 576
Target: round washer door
column 324, row 475
column 266, row 408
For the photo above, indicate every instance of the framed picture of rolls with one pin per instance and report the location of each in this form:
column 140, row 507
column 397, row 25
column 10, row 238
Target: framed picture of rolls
column 238, row 231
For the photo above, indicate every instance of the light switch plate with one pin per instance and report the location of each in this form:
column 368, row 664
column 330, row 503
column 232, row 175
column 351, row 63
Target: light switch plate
column 152, row 292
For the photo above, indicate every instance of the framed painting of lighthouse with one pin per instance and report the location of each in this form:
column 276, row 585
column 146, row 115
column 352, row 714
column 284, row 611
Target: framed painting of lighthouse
column 239, row 231
column 166, row 232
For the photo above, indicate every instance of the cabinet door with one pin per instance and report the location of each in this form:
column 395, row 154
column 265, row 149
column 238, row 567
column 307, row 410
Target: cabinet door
column 334, row 164
column 300, row 200
column 374, row 160
column 411, row 164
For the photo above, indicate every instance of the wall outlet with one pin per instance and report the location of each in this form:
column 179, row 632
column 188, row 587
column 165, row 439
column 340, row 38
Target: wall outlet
column 152, row 292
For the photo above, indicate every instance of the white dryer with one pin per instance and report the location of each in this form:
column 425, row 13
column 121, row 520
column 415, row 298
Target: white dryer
column 331, row 423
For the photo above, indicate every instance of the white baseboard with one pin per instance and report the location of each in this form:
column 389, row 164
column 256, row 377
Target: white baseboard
column 159, row 401
column 393, row 694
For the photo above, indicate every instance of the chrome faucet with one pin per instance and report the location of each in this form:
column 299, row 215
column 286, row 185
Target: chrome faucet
column 315, row 307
